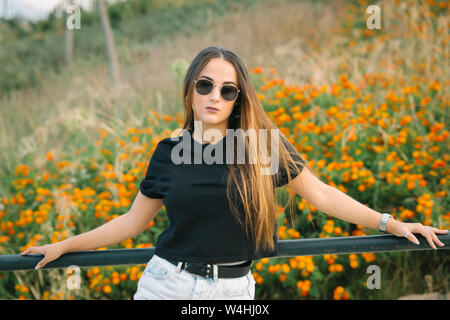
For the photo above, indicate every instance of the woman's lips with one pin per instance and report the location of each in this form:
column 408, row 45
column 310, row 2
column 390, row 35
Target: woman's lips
column 212, row 109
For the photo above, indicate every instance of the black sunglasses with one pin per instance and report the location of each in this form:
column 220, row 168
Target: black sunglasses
column 228, row 92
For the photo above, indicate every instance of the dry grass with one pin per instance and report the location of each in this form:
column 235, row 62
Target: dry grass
column 300, row 40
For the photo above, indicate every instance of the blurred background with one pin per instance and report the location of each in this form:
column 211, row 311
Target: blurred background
column 89, row 87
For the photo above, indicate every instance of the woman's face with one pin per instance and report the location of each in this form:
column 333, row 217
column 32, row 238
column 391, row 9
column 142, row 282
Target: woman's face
column 218, row 71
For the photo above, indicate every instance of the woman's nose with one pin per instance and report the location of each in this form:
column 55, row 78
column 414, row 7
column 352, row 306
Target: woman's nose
column 215, row 94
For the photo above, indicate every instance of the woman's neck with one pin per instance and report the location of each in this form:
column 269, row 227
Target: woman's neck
column 209, row 134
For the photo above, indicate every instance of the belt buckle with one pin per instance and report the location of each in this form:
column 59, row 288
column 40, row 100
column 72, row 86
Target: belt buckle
column 208, row 270
column 214, row 273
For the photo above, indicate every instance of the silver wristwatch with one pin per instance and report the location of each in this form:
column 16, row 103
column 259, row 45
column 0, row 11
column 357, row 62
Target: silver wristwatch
column 383, row 221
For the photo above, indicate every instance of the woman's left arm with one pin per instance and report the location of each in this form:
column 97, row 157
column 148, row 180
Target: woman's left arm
column 335, row 203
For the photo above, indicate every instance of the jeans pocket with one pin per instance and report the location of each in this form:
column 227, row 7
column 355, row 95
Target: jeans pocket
column 157, row 270
column 236, row 287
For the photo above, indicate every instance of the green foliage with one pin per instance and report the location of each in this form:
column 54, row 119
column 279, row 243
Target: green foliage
column 29, row 51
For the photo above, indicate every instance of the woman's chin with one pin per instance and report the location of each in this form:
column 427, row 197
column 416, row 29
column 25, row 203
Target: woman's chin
column 212, row 120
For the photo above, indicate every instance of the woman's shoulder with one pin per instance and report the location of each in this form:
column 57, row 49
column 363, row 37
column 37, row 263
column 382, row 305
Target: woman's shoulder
column 175, row 137
column 166, row 144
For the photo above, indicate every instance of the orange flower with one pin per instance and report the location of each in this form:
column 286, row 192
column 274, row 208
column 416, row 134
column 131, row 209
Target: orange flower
column 103, row 133
column 257, row 70
column 410, row 185
column 339, row 290
column 259, row 266
column 268, row 85
column 133, row 277
column 327, row 228
column 107, row 289
column 259, row 280
column 293, row 263
column 49, row 156
column 321, row 164
column 280, row 94
column 369, row 256
column 435, row 85
column 285, row 268
column 24, row 289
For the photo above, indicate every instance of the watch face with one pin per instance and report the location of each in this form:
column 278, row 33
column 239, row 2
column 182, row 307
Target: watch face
column 384, row 219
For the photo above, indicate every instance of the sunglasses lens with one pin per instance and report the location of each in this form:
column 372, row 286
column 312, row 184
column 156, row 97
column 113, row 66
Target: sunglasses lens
column 228, row 93
column 204, row 86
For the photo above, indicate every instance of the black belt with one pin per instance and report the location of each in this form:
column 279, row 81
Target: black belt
column 206, row 270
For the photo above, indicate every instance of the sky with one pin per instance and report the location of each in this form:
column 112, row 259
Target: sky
column 35, row 10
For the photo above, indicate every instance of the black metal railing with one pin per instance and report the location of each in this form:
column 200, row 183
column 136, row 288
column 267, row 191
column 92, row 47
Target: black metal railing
column 286, row 248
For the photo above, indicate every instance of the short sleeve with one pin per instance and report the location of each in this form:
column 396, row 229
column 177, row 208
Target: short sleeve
column 281, row 178
column 156, row 181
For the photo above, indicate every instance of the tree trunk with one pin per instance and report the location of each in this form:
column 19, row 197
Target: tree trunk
column 113, row 63
column 69, row 42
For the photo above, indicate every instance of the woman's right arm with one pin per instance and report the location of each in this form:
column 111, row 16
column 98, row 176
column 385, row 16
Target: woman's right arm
column 126, row 226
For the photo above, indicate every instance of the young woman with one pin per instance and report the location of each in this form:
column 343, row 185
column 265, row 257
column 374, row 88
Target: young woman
column 217, row 182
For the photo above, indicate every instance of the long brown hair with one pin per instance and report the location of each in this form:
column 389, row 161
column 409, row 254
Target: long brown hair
column 256, row 191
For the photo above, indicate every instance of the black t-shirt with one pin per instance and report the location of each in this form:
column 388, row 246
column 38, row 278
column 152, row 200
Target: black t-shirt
column 202, row 226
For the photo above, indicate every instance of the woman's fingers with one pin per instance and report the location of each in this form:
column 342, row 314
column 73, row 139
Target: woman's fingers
column 427, row 235
column 436, row 239
column 26, row 251
column 411, row 237
column 439, row 230
column 436, row 230
column 41, row 263
column 49, row 251
column 31, row 249
column 427, row 232
column 430, row 234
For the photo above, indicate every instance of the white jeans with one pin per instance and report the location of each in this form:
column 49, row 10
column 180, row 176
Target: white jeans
column 161, row 280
